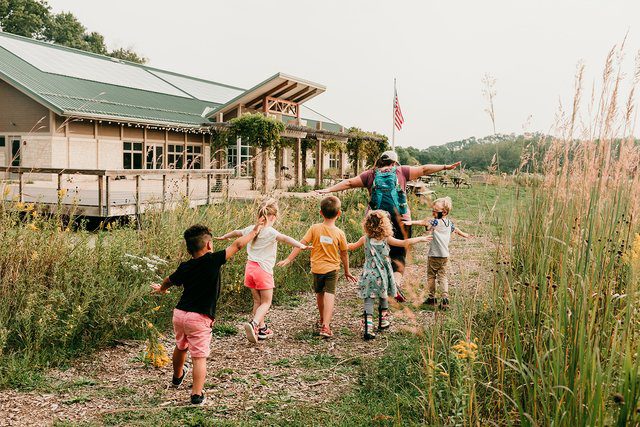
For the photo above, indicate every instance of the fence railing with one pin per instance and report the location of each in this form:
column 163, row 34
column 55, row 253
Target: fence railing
column 105, row 176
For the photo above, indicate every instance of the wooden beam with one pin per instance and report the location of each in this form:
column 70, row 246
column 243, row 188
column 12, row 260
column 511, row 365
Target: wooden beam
column 282, row 92
column 305, row 96
column 297, row 94
column 268, row 93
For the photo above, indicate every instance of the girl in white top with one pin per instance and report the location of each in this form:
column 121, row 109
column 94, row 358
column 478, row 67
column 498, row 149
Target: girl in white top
column 258, row 274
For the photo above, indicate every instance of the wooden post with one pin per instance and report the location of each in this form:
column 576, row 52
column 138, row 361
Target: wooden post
column 107, row 197
column 164, row 191
column 137, row 194
column 208, row 189
column 278, row 167
column 226, row 191
column 188, row 183
column 59, row 183
column 20, row 187
column 100, row 193
column 341, row 166
column 318, row 164
column 297, row 162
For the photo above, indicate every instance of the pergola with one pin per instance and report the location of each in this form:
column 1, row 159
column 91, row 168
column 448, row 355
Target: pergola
column 281, row 96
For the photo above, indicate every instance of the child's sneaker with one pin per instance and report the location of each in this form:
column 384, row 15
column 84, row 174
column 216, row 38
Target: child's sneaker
column 251, row 329
column 325, row 331
column 264, row 333
column 400, row 296
column 198, row 399
column 177, row 382
column 368, row 328
column 444, row 304
column 384, row 320
column 432, row 301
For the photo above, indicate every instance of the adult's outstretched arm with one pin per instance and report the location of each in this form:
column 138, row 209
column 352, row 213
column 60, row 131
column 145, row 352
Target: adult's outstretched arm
column 345, row 184
column 418, row 171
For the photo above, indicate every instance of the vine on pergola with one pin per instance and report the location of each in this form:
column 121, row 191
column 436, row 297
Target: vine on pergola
column 365, row 145
column 256, row 130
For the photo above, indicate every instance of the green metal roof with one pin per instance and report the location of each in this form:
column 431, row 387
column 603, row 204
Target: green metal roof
column 72, row 82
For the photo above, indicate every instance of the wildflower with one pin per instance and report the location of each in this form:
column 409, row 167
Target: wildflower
column 466, row 350
column 149, row 325
column 32, row 226
column 19, row 206
column 156, row 308
column 61, row 193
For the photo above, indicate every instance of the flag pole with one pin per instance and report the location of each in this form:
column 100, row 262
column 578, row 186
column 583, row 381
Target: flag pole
column 393, row 117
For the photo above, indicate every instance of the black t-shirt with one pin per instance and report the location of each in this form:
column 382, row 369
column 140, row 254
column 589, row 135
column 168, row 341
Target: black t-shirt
column 200, row 278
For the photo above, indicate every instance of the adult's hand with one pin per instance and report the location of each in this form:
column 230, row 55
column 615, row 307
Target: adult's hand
column 452, row 166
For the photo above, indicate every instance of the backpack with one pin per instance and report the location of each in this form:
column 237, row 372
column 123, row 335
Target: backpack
column 387, row 194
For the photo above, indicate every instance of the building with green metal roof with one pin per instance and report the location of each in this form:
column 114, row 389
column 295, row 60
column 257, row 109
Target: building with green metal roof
column 65, row 108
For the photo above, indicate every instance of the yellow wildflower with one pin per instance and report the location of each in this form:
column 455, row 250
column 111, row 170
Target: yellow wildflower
column 19, row 206
column 32, row 226
column 466, row 350
column 29, row 207
column 61, row 193
column 156, row 308
column 34, row 255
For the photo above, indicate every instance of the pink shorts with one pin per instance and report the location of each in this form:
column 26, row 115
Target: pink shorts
column 256, row 278
column 193, row 332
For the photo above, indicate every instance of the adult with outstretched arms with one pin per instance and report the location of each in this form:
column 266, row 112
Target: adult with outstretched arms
column 387, row 186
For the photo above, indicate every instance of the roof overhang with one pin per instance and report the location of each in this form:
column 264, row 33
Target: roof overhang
column 280, row 86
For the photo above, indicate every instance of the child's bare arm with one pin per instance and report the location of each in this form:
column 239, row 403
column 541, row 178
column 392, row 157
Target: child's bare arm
column 230, row 235
column 356, row 245
column 461, row 233
column 344, row 256
column 162, row 288
column 241, row 242
column 294, row 253
column 408, row 242
column 292, row 242
column 416, row 222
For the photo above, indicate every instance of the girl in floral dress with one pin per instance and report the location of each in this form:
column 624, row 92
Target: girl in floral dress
column 376, row 280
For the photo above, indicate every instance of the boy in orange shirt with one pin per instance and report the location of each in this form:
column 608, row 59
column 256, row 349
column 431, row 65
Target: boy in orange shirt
column 328, row 247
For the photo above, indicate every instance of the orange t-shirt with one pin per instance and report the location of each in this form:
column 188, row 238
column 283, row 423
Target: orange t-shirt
column 327, row 243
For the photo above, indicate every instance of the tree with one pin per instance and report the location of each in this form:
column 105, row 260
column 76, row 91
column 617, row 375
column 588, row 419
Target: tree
column 128, row 55
column 27, row 18
column 366, row 146
column 33, row 19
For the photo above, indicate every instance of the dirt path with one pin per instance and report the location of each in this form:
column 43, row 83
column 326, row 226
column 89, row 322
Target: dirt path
column 295, row 367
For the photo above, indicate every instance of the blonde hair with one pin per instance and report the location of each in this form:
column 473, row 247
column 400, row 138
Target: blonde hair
column 268, row 206
column 377, row 225
column 446, row 202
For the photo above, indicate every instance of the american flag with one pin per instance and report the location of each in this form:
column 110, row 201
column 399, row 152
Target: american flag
column 398, row 120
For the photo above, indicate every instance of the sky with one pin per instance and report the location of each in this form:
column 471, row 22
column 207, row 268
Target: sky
column 438, row 51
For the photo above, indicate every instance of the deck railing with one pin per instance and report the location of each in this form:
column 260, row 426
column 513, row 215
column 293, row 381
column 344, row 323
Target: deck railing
column 104, row 177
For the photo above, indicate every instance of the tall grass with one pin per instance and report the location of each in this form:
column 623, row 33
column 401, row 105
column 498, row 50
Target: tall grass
column 66, row 292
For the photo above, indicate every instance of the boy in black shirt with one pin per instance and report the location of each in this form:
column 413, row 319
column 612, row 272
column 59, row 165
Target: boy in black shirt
column 195, row 313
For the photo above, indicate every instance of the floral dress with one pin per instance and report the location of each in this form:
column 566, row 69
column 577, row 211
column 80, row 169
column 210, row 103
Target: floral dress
column 376, row 280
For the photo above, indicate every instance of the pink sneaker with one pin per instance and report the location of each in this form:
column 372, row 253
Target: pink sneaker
column 251, row 329
column 264, row 333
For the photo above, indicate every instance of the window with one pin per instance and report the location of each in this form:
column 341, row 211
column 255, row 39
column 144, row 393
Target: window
column 132, row 155
column 175, row 156
column 155, row 158
column 334, row 160
column 1, row 141
column 240, row 162
column 194, row 156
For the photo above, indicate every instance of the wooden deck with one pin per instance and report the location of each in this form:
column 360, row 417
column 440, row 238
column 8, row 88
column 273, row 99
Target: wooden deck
column 110, row 193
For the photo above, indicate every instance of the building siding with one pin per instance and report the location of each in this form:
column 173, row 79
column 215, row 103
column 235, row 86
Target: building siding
column 21, row 114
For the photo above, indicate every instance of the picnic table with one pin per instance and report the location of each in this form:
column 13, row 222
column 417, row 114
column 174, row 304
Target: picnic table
column 459, row 181
column 419, row 188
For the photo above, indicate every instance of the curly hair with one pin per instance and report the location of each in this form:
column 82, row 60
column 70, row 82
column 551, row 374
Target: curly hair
column 377, row 225
column 446, row 203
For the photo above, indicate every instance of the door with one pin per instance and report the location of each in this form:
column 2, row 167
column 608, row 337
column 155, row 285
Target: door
column 14, row 142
